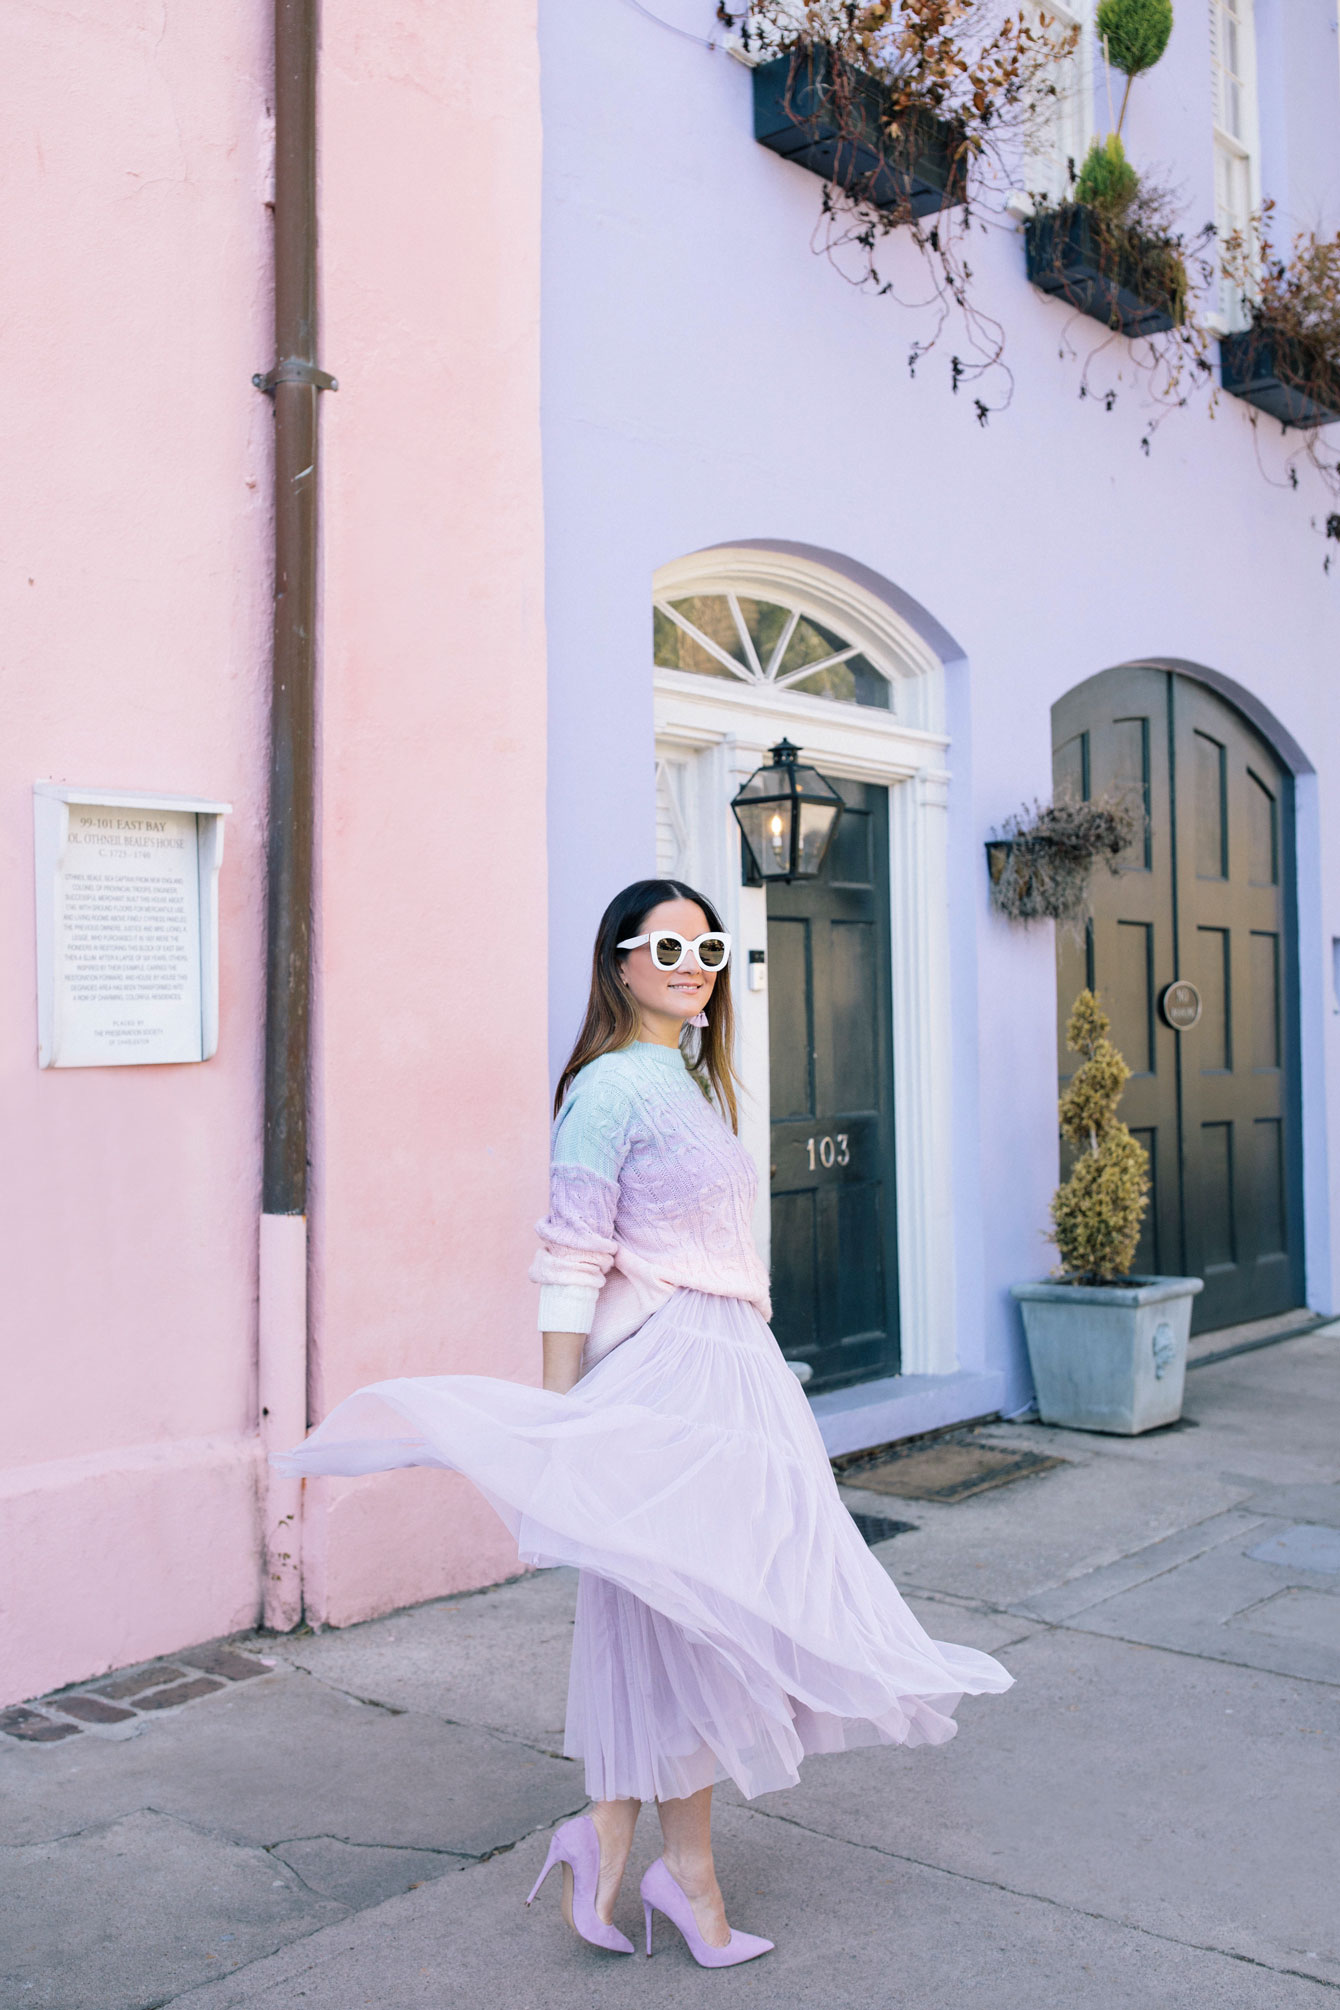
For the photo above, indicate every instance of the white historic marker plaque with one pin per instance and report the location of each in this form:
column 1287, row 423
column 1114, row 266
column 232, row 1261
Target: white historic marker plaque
column 127, row 935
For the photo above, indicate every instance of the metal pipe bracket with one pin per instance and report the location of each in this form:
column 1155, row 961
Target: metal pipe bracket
column 294, row 370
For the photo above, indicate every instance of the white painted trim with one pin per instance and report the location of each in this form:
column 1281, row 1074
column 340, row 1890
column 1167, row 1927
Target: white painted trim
column 209, row 857
column 1067, row 134
column 118, row 799
column 52, row 802
column 874, row 744
column 892, row 647
column 724, row 729
column 1232, row 315
column 281, row 1399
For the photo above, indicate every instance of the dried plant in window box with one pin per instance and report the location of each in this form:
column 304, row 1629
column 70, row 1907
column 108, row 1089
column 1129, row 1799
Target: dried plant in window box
column 910, row 109
column 1040, row 867
column 1114, row 250
column 812, row 108
column 1131, row 280
column 1287, row 362
column 1294, row 383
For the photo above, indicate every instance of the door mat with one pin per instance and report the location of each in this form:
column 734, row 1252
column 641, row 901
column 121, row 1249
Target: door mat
column 951, row 1468
column 878, row 1528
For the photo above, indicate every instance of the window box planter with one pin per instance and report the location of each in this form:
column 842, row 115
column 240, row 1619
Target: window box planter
column 794, row 115
column 1280, row 375
column 1016, row 889
column 1111, row 275
column 1109, row 1357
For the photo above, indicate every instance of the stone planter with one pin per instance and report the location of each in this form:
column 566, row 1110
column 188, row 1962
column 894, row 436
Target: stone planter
column 1109, row 1357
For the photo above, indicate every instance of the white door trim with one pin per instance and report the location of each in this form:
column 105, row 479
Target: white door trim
column 720, row 732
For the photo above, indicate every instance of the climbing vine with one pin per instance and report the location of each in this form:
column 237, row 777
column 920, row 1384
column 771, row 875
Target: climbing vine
column 952, row 74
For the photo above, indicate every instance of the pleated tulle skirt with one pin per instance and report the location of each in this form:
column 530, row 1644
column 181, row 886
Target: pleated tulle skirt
column 730, row 1619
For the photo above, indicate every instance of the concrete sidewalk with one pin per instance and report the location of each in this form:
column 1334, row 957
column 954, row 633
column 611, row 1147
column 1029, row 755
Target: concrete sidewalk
column 1148, row 1818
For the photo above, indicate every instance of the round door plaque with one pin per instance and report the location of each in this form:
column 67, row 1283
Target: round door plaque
column 1180, row 1006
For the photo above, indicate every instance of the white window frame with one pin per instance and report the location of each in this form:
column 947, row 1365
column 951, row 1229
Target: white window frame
column 1048, row 158
column 721, row 731
column 1234, row 151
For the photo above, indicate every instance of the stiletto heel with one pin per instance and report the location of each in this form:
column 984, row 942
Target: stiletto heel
column 577, row 1845
column 549, row 1863
column 661, row 1894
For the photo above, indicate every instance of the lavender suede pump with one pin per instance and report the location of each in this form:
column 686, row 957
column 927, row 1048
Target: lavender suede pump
column 577, row 1845
column 660, row 1893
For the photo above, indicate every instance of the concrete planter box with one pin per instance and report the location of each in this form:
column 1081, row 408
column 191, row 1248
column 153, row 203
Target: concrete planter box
column 1109, row 1357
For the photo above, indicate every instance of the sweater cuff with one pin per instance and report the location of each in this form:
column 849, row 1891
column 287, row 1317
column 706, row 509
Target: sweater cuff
column 568, row 1308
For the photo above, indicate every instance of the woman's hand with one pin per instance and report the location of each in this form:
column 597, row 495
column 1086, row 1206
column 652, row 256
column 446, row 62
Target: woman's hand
column 562, row 1361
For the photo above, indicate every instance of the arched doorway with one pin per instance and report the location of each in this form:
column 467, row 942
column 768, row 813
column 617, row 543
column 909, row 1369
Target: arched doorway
column 855, row 1183
column 1205, row 896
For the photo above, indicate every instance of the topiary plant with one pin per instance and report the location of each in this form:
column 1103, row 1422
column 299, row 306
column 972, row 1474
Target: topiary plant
column 1107, row 181
column 1134, row 34
column 1096, row 1214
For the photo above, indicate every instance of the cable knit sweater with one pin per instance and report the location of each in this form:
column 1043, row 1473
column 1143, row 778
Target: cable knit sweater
column 651, row 1192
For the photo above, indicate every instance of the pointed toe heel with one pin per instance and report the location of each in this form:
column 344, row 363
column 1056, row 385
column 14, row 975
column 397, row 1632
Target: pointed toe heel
column 660, row 1893
column 578, row 1846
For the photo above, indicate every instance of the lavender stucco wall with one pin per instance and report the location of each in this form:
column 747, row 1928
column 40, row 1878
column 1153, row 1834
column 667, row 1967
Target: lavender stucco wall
column 708, row 379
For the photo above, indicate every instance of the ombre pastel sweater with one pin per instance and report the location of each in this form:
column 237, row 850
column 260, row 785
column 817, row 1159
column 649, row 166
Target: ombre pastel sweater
column 650, row 1193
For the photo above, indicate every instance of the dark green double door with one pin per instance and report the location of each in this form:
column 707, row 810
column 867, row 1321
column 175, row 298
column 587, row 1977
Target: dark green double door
column 1204, row 896
column 834, row 1247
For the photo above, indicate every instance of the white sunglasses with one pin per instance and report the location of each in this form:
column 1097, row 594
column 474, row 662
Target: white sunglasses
column 669, row 951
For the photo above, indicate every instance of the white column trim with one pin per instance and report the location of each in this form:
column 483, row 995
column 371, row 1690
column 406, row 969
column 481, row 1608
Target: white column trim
column 922, row 1080
column 728, row 734
column 724, row 728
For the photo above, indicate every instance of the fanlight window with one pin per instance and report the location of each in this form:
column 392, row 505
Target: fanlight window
column 761, row 642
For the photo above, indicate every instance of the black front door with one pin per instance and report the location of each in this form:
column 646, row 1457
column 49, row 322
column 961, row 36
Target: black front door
column 834, row 1243
column 1204, row 896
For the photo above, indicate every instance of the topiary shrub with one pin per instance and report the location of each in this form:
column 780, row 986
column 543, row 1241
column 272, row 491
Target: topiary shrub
column 1096, row 1214
column 1107, row 181
column 1114, row 248
column 1134, row 34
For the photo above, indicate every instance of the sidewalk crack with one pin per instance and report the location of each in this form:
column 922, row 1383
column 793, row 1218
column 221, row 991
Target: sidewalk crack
column 1043, row 1898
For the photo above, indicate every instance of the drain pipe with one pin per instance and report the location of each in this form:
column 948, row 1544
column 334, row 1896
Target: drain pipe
column 295, row 384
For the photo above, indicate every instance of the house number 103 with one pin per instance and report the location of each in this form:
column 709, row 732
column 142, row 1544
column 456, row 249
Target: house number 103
column 828, row 1151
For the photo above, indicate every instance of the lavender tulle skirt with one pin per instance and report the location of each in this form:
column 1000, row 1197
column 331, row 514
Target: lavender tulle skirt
column 730, row 1619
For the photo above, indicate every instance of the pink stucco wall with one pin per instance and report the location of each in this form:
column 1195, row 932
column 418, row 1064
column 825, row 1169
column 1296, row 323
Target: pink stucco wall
column 431, row 1070
column 135, row 621
column 135, row 598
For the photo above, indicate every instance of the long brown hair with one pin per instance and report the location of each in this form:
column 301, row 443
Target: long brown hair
column 612, row 1021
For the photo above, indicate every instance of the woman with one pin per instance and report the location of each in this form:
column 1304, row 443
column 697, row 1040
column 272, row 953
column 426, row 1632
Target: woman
column 730, row 1619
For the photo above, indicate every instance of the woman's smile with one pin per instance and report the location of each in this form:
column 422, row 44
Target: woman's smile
column 666, row 998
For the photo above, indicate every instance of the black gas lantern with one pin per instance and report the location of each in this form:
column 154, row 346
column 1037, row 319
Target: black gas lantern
column 787, row 814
